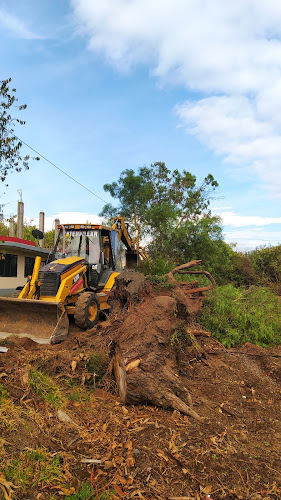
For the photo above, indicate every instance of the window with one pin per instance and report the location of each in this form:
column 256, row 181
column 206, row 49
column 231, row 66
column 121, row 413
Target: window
column 8, row 265
column 28, row 266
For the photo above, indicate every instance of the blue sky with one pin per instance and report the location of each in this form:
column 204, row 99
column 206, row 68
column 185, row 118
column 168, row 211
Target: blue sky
column 124, row 83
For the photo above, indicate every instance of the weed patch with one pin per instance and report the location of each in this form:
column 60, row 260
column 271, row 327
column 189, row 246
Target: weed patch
column 97, row 364
column 160, row 282
column 10, row 415
column 238, row 315
column 86, row 492
column 33, row 469
column 45, row 388
column 181, row 338
column 3, row 393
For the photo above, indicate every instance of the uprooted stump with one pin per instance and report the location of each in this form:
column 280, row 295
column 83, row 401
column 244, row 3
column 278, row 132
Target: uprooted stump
column 146, row 365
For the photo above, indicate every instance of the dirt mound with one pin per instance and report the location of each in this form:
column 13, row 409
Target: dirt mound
column 61, row 403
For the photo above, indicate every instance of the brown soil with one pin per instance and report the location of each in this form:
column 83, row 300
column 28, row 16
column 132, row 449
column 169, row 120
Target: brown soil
column 148, row 452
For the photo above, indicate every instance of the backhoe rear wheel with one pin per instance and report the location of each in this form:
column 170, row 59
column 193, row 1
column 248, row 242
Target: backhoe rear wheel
column 87, row 310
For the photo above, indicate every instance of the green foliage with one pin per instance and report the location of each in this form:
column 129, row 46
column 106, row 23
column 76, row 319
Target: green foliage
column 238, row 315
column 266, row 262
column 156, row 266
column 86, row 492
column 156, row 200
column 78, row 394
column 158, row 282
column 49, row 236
column 4, row 230
column 27, row 231
column 97, row 364
column 49, row 239
column 3, row 393
column 45, row 388
column 10, row 147
column 240, row 271
column 180, row 337
column 173, row 210
column 34, row 468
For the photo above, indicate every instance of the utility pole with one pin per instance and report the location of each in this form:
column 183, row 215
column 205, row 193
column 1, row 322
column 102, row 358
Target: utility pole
column 20, row 220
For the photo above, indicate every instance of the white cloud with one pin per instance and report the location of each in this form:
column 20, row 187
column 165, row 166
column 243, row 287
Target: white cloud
column 228, row 52
column 233, row 219
column 234, row 128
column 16, row 26
column 249, row 239
column 250, row 231
column 207, row 45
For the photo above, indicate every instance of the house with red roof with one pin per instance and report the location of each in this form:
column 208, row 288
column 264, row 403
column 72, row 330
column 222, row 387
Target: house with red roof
column 17, row 258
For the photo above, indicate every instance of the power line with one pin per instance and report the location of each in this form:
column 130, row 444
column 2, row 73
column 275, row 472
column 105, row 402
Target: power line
column 53, row 164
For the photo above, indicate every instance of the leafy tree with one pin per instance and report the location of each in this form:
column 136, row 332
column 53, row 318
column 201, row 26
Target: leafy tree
column 266, row 262
column 4, row 231
column 160, row 202
column 49, row 236
column 11, row 158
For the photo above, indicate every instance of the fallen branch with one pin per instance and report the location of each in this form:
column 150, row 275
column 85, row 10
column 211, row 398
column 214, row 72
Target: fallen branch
column 184, row 269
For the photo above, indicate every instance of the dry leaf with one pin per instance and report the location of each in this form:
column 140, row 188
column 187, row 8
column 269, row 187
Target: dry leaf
column 208, row 489
column 130, row 461
column 214, row 440
column 73, row 365
column 119, row 491
column 75, row 483
column 66, row 491
column 132, row 364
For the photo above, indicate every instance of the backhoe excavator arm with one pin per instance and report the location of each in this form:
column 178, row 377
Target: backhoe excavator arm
column 134, row 251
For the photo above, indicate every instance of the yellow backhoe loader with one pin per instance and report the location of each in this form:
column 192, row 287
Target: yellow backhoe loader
column 76, row 281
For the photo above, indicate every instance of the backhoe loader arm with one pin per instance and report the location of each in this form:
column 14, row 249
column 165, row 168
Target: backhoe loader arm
column 133, row 249
column 124, row 236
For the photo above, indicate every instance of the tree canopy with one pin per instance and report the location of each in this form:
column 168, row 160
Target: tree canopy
column 169, row 207
column 11, row 158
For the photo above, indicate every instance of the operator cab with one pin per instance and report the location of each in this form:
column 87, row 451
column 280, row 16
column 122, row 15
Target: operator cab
column 98, row 245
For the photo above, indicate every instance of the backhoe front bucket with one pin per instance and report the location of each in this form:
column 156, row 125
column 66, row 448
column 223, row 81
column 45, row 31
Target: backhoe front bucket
column 44, row 322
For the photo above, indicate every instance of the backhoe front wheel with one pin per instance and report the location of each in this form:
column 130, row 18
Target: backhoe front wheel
column 87, row 310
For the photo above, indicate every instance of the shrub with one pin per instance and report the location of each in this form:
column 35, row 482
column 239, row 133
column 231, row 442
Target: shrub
column 237, row 315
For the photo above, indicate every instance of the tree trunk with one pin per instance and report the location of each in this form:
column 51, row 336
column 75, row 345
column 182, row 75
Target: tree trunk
column 146, row 364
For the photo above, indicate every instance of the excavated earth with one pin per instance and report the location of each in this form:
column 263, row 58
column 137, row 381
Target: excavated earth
column 143, row 451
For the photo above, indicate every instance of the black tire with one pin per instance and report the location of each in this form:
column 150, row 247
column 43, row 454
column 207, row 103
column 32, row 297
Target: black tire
column 87, row 310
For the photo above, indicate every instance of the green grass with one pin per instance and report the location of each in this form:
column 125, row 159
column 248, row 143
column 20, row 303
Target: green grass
column 238, row 315
column 97, row 363
column 180, row 337
column 3, row 393
column 34, row 468
column 45, row 388
column 86, row 492
column 78, row 394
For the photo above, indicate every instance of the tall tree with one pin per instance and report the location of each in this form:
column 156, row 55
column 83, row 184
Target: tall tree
column 11, row 158
column 163, row 204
